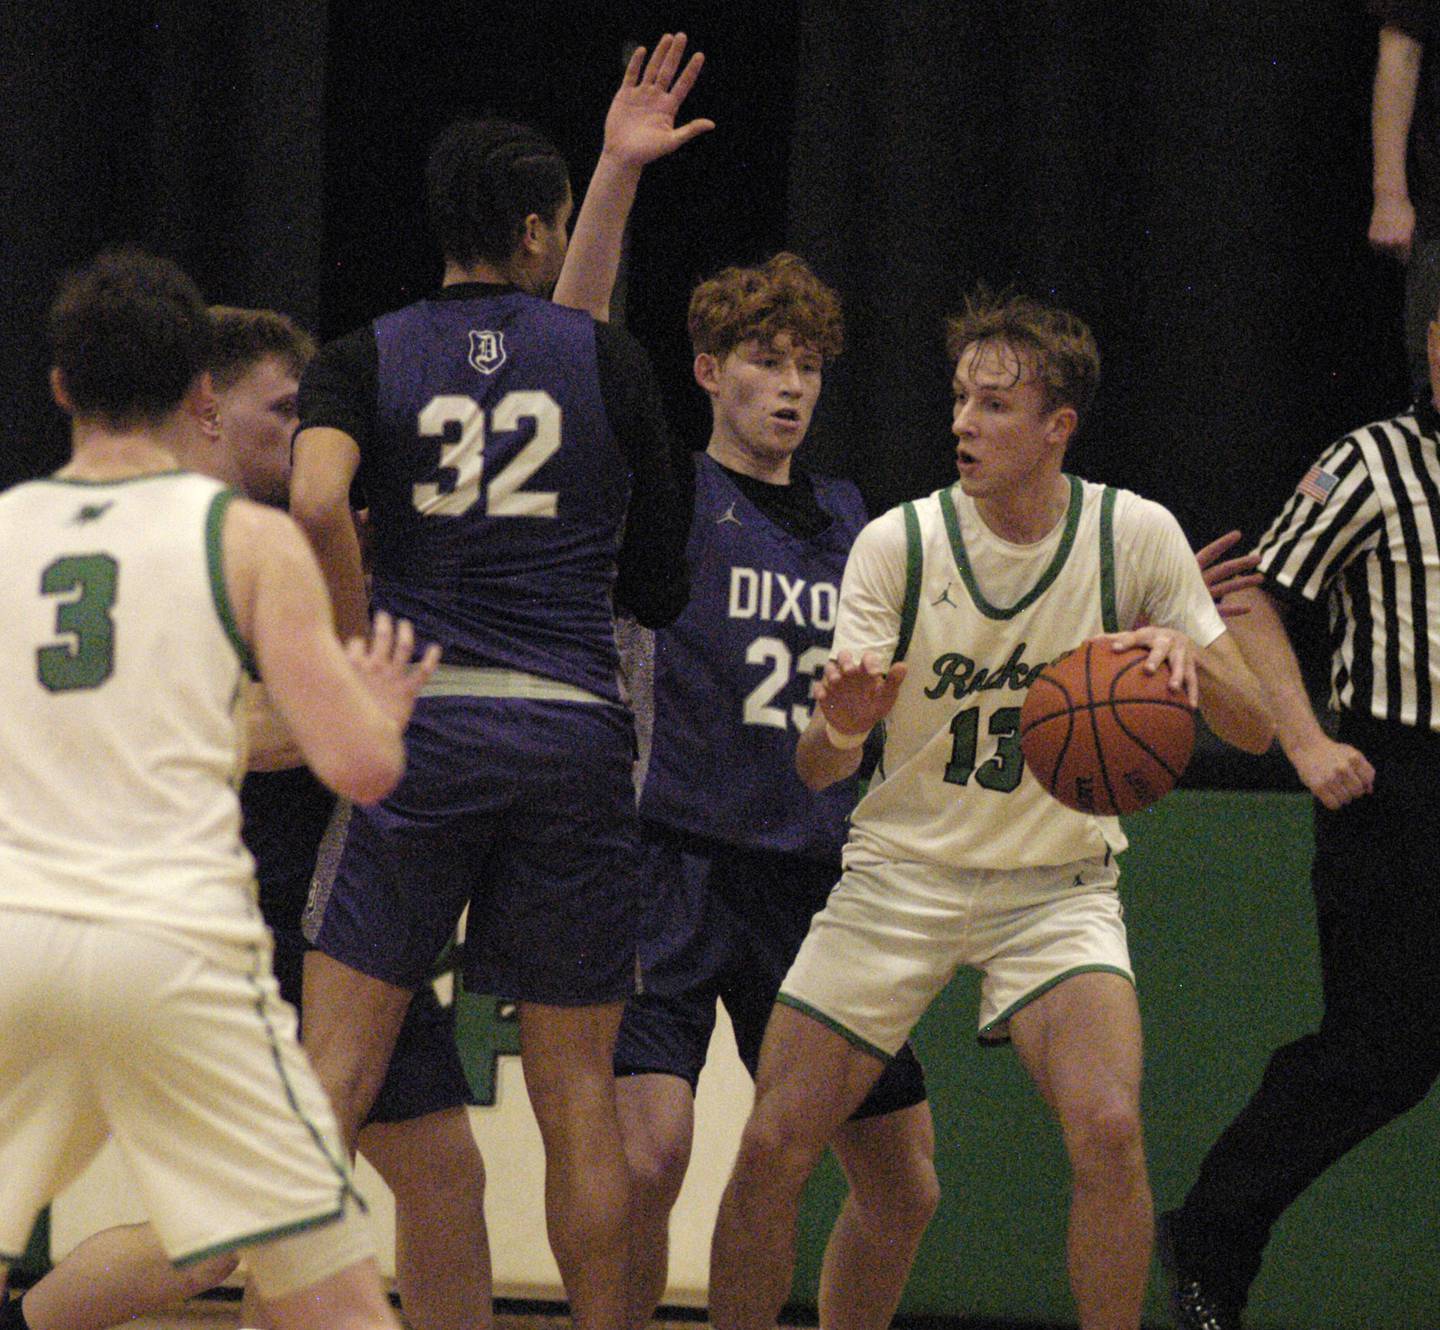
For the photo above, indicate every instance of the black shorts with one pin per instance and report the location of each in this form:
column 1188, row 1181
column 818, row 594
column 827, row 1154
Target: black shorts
column 425, row 1073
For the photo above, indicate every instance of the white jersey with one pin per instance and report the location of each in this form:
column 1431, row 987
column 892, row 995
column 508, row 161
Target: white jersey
column 976, row 617
column 121, row 734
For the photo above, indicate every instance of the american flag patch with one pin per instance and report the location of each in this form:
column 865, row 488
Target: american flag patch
column 1317, row 484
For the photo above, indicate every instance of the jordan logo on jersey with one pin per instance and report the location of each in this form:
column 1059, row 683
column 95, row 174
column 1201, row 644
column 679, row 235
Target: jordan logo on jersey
column 944, row 597
column 92, row 512
column 487, row 351
column 728, row 516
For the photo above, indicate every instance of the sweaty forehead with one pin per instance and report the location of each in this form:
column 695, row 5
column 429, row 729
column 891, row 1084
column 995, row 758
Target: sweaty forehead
column 993, row 364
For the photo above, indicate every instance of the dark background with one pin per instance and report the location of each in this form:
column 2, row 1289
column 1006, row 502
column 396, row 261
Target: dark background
column 1191, row 176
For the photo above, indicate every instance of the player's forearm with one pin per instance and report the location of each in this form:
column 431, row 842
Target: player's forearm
column 1397, row 76
column 1233, row 702
column 368, row 760
column 332, row 535
column 1261, row 637
column 592, row 261
column 819, row 762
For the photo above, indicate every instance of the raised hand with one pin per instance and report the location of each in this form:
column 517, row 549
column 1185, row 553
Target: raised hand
column 1225, row 577
column 856, row 695
column 385, row 667
column 640, row 125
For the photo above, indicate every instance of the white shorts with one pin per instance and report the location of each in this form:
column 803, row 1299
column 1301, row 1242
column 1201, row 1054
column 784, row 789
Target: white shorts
column 194, row 1067
column 892, row 935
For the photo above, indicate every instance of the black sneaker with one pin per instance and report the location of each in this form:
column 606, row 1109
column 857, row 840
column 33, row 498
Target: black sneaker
column 1192, row 1306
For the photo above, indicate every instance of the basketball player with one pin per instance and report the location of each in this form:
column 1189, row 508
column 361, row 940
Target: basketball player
column 736, row 864
column 735, row 869
column 956, row 855
column 135, row 987
column 508, row 449
column 418, row 1135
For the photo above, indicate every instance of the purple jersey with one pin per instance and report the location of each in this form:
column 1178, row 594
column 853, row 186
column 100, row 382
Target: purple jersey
column 497, row 489
column 733, row 674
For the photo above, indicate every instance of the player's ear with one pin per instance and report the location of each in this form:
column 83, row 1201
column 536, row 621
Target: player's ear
column 60, row 391
column 203, row 404
column 531, row 237
column 707, row 372
column 1062, row 425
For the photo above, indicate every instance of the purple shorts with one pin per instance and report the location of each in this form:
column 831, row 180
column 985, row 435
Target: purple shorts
column 724, row 922
column 524, row 811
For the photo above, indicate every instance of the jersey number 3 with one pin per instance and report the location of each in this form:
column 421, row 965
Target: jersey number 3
column 88, row 659
column 464, row 457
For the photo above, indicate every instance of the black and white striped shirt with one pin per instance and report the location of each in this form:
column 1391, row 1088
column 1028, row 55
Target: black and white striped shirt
column 1363, row 527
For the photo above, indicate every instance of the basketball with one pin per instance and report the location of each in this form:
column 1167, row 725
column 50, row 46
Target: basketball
column 1101, row 734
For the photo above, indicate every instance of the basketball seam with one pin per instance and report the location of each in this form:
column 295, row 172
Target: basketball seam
column 1104, row 704
column 1067, row 711
column 1100, row 762
column 1118, row 717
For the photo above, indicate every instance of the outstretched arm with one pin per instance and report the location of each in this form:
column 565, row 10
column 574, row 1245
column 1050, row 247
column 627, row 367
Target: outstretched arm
column 639, row 128
column 346, row 708
column 1397, row 76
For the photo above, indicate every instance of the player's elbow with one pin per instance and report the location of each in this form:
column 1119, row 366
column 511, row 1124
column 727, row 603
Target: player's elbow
column 316, row 509
column 367, row 772
column 811, row 779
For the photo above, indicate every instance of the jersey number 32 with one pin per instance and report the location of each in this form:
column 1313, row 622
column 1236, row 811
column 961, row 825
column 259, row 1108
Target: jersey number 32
column 464, row 457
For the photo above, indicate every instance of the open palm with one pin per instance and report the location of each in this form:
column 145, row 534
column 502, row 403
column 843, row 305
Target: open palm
column 640, row 125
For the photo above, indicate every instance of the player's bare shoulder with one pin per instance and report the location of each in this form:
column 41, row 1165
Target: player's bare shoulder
column 259, row 543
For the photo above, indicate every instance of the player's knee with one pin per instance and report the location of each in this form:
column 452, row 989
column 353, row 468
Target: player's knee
column 1105, row 1137
column 657, row 1167
column 917, row 1197
column 431, row 1164
column 777, row 1149
column 907, row 1204
column 897, row 1191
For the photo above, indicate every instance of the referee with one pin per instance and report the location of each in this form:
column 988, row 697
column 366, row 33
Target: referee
column 1361, row 529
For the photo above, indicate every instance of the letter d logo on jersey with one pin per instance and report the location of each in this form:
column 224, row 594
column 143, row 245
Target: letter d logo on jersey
column 487, row 351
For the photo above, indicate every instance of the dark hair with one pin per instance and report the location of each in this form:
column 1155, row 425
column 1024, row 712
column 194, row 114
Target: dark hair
column 129, row 332
column 780, row 296
column 1060, row 349
column 483, row 179
column 244, row 337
